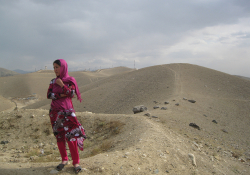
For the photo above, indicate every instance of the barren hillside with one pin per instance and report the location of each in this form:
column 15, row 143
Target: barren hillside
column 6, row 72
column 193, row 112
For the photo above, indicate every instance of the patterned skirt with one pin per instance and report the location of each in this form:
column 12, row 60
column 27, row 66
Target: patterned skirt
column 66, row 127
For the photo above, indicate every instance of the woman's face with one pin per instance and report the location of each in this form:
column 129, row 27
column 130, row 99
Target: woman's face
column 57, row 69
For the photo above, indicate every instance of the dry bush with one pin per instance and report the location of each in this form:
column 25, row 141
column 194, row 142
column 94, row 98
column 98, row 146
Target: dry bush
column 33, row 152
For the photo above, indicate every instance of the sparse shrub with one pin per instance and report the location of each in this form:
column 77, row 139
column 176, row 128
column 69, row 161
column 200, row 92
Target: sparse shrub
column 106, row 145
column 33, row 152
column 95, row 151
column 115, row 127
column 47, row 131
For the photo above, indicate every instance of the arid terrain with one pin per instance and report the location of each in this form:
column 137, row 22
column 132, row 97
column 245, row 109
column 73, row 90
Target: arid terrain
column 197, row 122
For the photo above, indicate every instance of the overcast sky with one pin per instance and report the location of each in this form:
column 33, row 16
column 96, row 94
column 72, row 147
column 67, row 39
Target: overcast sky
column 93, row 34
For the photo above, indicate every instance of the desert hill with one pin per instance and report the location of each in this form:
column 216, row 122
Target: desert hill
column 120, row 142
column 6, row 72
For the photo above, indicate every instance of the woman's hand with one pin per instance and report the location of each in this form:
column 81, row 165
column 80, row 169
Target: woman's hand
column 59, row 82
column 62, row 95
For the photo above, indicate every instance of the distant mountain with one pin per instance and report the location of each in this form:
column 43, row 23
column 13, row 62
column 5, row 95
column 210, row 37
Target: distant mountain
column 21, row 71
column 247, row 78
column 6, row 72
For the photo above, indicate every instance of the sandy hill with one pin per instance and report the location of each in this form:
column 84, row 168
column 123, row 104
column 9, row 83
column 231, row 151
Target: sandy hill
column 6, row 72
column 120, row 142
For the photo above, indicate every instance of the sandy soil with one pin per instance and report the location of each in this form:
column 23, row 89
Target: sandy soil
column 120, row 142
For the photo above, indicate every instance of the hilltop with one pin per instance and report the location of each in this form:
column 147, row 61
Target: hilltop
column 6, row 72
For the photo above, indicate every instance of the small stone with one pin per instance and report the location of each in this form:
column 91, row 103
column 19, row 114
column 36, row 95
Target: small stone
column 147, row 114
column 154, row 117
column 217, row 157
column 177, row 104
column 156, row 171
column 167, row 171
column 194, row 126
column 205, row 115
column 242, row 160
column 224, row 130
column 184, row 98
column 192, row 101
column 164, row 108
column 166, row 102
column 4, row 142
column 191, row 156
column 214, row 121
column 155, row 107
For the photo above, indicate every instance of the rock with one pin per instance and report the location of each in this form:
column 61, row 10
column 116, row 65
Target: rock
column 147, row 114
column 154, row 117
column 215, row 121
column 184, row 98
column 4, row 142
column 177, row 104
column 224, row 130
column 194, row 126
column 164, row 108
column 192, row 101
column 205, row 115
column 166, row 102
column 217, row 157
column 19, row 116
column 40, row 145
column 156, row 171
column 139, row 108
column 155, row 107
column 191, row 156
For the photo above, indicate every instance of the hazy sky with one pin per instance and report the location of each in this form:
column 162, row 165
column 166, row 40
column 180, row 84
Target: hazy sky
column 108, row 33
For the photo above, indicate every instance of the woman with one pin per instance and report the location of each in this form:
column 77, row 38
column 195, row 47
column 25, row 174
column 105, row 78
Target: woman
column 62, row 114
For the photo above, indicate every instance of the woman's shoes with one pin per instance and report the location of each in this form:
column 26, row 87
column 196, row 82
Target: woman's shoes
column 77, row 169
column 61, row 166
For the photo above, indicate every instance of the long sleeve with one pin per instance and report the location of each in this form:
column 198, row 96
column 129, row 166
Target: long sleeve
column 50, row 93
column 69, row 92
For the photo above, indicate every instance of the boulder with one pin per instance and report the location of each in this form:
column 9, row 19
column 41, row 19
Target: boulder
column 139, row 108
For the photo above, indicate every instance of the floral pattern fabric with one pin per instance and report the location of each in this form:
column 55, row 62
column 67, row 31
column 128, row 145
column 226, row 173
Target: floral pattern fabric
column 64, row 121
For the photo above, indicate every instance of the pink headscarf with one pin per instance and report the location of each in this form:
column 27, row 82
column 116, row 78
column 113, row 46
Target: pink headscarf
column 67, row 79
